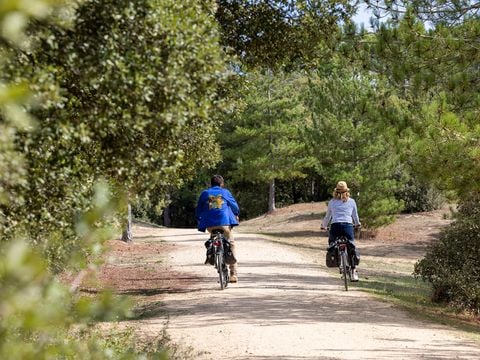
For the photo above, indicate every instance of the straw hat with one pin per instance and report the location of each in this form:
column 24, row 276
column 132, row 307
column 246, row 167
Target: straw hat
column 342, row 187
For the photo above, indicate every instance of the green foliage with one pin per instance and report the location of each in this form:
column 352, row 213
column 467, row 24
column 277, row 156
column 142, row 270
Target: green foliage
column 435, row 72
column 429, row 53
column 309, row 189
column 38, row 312
column 265, row 143
column 433, row 11
column 123, row 95
column 252, row 198
column 262, row 141
column 447, row 154
column 178, row 207
column 133, row 102
column 417, row 196
column 151, row 107
column 350, row 138
column 14, row 17
column 452, row 263
column 276, row 33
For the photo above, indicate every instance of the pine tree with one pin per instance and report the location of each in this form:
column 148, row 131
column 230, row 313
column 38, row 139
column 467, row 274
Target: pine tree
column 350, row 137
column 265, row 144
column 429, row 53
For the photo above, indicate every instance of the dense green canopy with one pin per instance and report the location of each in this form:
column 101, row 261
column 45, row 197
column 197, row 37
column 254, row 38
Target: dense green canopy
column 108, row 101
column 126, row 93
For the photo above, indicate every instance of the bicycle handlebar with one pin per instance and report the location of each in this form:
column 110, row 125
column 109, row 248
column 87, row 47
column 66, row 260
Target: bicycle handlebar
column 328, row 227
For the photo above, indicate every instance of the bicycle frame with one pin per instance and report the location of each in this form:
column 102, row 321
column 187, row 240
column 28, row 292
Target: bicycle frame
column 341, row 244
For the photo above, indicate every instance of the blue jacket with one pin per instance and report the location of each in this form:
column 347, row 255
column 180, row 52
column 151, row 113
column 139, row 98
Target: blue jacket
column 216, row 207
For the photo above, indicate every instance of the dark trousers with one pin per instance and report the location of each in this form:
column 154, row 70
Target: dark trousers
column 341, row 229
column 344, row 229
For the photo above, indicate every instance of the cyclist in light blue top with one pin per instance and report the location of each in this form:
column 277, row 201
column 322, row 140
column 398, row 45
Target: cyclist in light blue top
column 342, row 215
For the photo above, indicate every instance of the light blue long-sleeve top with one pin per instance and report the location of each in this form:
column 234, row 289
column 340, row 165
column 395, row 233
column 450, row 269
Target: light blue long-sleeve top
column 340, row 211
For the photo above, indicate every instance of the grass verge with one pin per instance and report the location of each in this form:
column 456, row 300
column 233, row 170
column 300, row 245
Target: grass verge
column 395, row 283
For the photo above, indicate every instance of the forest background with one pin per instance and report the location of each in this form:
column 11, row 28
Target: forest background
column 110, row 103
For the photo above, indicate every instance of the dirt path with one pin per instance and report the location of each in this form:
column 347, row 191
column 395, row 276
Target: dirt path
column 286, row 306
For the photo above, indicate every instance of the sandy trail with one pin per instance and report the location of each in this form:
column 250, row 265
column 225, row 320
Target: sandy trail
column 287, row 306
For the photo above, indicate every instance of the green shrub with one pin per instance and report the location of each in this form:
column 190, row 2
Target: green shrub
column 452, row 264
column 418, row 197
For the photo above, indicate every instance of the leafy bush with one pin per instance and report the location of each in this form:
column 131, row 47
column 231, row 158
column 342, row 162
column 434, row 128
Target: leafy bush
column 116, row 95
column 132, row 102
column 37, row 313
column 452, row 264
column 418, row 196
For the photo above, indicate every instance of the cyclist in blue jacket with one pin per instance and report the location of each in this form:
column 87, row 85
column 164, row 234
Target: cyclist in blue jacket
column 342, row 215
column 218, row 209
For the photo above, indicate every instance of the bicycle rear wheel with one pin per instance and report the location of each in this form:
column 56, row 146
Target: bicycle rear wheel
column 226, row 277
column 220, row 268
column 345, row 268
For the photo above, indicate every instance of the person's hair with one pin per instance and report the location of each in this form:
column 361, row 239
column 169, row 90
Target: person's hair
column 341, row 195
column 217, row 180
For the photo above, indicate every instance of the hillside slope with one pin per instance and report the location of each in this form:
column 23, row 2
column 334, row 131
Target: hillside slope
column 299, row 224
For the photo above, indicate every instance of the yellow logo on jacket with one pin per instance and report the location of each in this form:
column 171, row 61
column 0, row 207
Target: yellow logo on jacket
column 215, row 202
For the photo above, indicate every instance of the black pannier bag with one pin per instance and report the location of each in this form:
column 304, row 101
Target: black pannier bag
column 332, row 256
column 229, row 258
column 353, row 250
column 210, row 258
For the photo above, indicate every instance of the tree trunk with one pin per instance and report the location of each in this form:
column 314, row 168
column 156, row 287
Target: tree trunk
column 271, row 196
column 167, row 220
column 127, row 233
column 271, row 185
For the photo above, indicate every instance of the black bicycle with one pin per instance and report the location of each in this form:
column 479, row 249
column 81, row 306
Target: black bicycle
column 217, row 240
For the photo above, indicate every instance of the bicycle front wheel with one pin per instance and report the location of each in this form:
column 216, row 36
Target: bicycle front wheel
column 345, row 268
column 221, row 274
